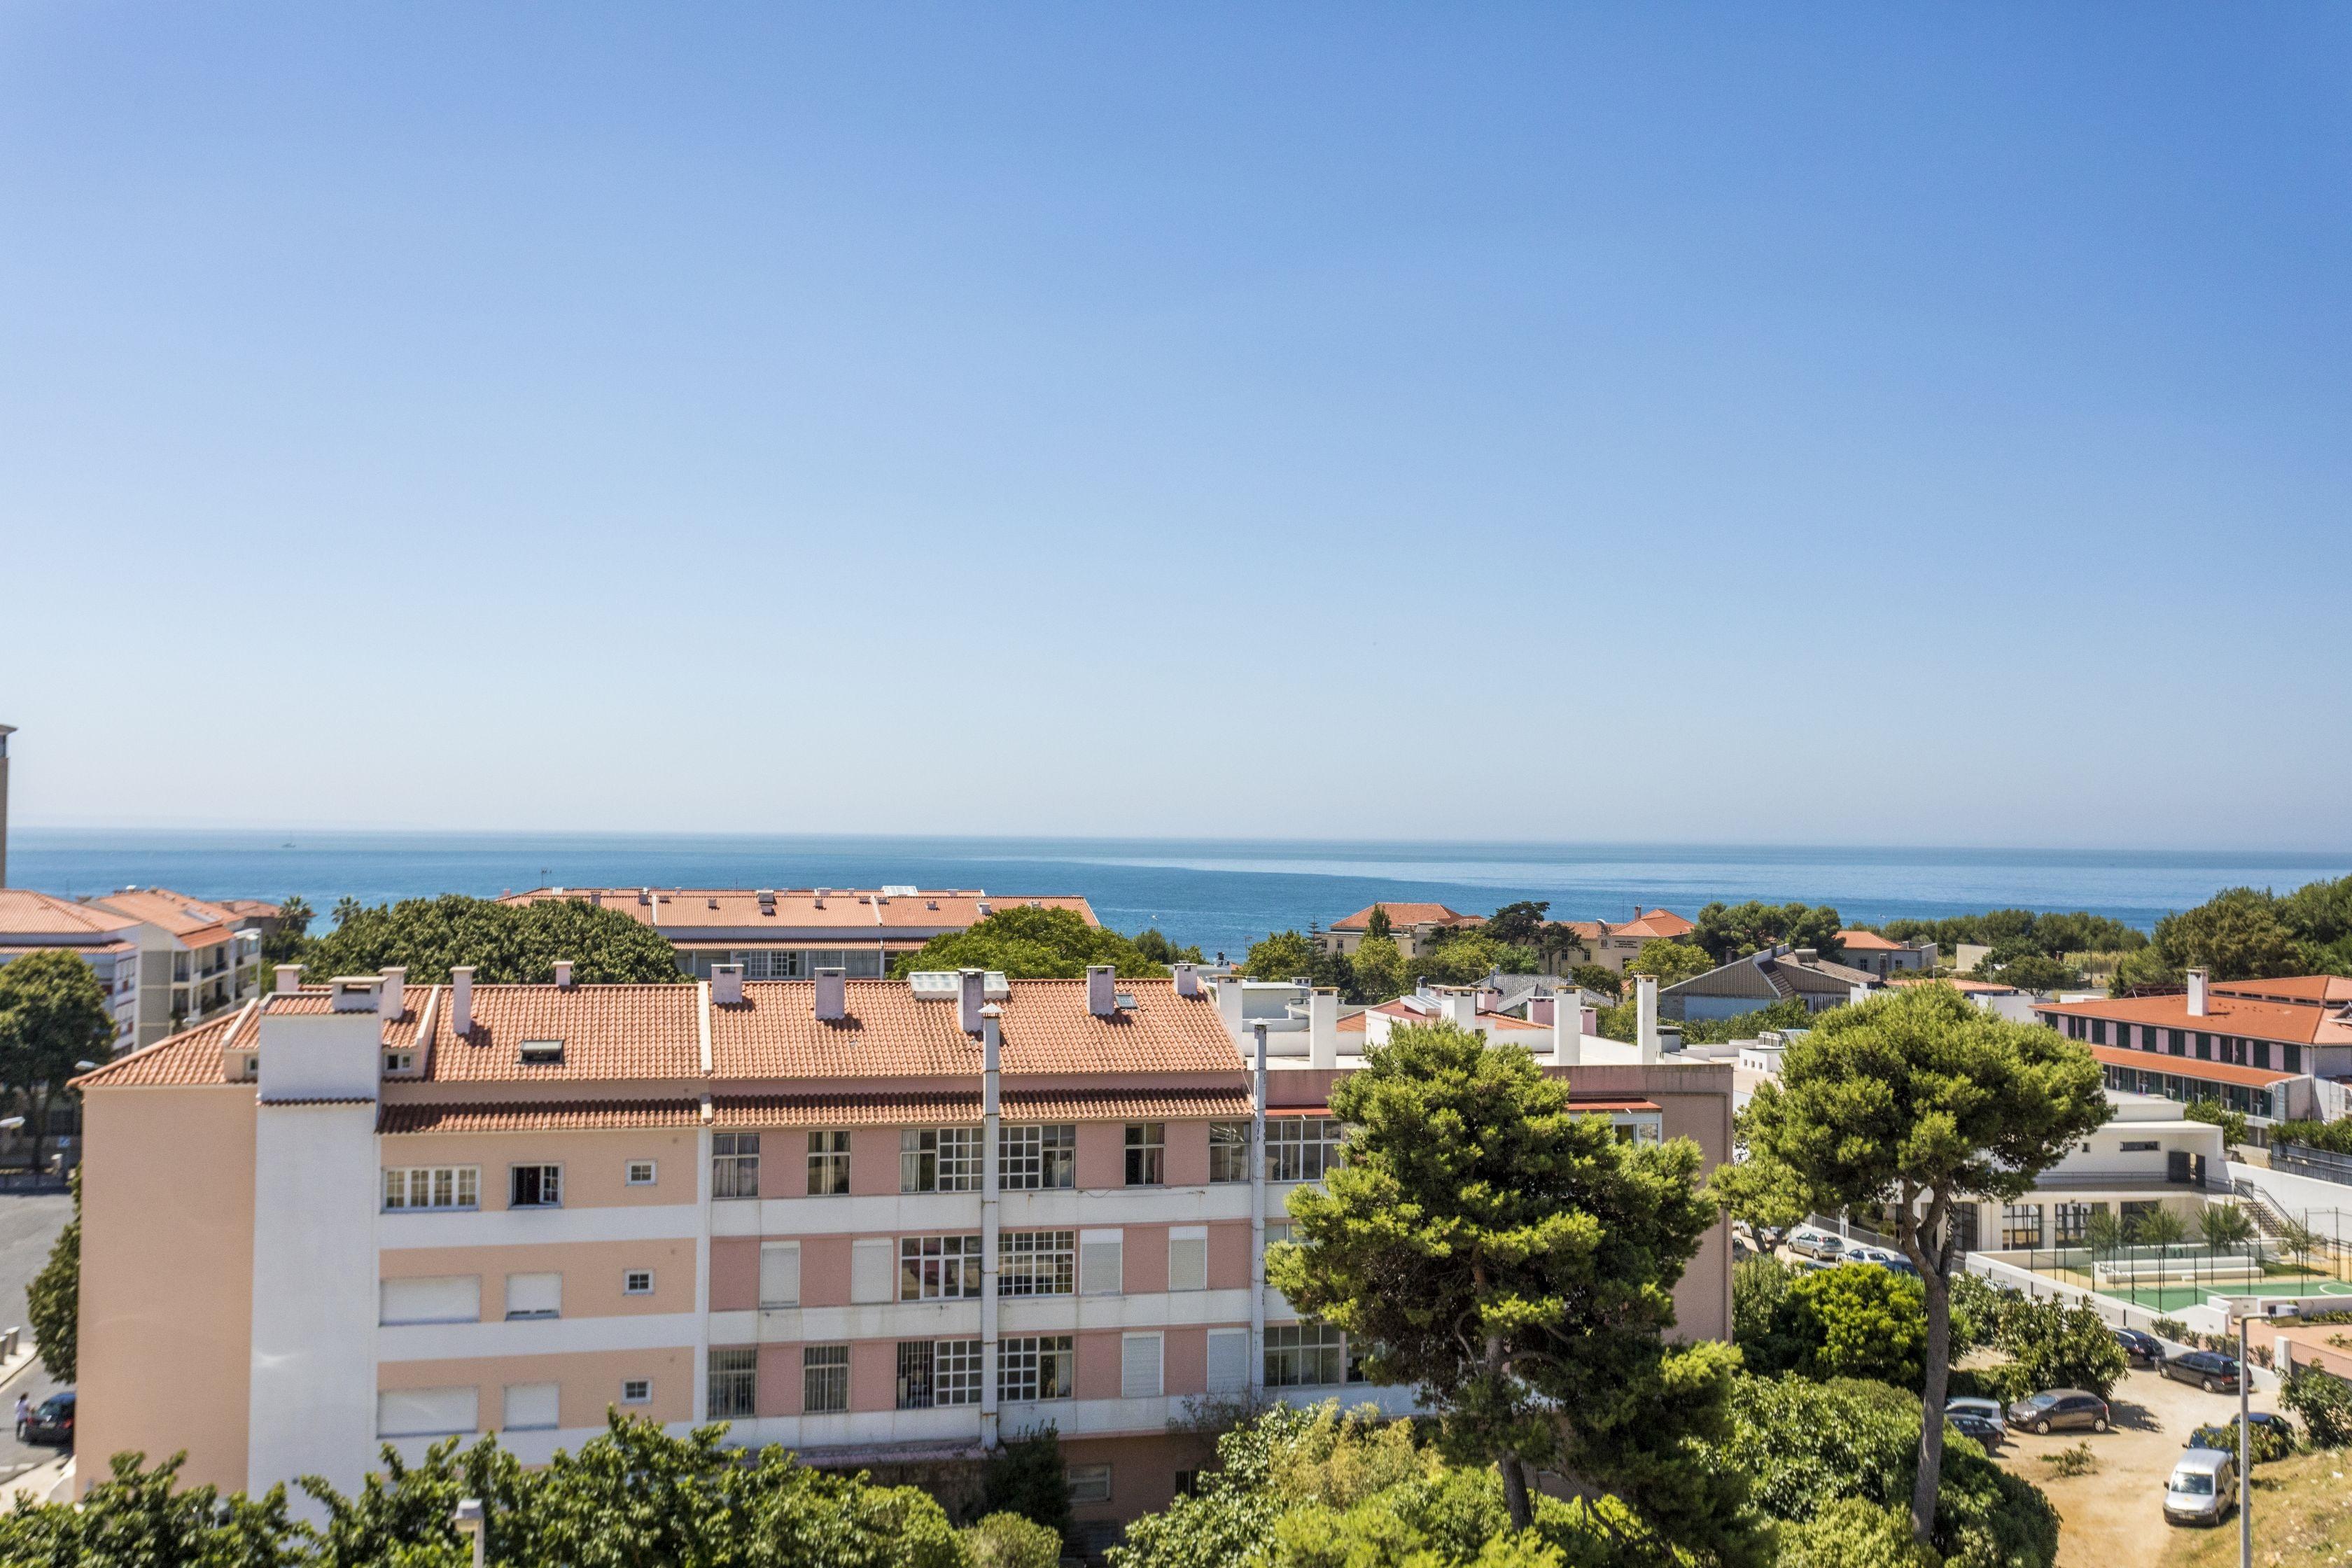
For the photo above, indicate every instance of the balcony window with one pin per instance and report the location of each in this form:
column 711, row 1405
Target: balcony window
column 1036, row 1157
column 734, row 1165
column 534, row 1187
column 938, row 1159
column 1031, row 1368
column 828, row 1164
column 939, row 1267
column 432, row 1187
column 1308, row 1355
column 936, row 1373
column 734, row 1384
column 1229, row 1150
column 1146, row 1153
column 1037, row 1263
column 1301, row 1148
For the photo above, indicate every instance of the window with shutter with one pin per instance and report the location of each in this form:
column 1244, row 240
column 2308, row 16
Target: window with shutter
column 426, row 1412
column 780, row 1274
column 1228, row 1359
column 534, row 1295
column 531, row 1406
column 873, row 1266
column 446, row 1299
column 1138, row 1366
column 1188, row 1259
column 1102, row 1263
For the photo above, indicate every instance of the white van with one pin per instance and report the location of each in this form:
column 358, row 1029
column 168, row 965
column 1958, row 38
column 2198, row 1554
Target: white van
column 2202, row 1488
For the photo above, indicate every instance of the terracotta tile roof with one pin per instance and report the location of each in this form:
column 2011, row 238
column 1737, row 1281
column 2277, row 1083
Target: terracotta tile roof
column 2318, row 988
column 250, row 908
column 775, row 1033
column 284, row 1003
column 191, row 1056
column 847, row 913
column 193, row 921
column 1404, row 915
column 1868, row 941
column 24, row 950
column 2189, row 1066
column 2305, row 1023
column 566, row 1116
column 954, row 1110
column 23, row 912
column 1575, row 1103
column 1664, row 924
column 608, row 1032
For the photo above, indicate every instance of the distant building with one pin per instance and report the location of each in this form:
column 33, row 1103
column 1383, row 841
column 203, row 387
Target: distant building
column 1778, row 974
column 1614, row 946
column 167, row 961
column 2008, row 1001
column 1414, row 928
column 790, row 933
column 1417, row 928
column 2146, row 1157
column 1867, row 949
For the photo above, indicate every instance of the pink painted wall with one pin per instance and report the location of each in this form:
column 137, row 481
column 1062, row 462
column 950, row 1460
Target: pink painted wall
column 874, row 1374
column 1229, row 1255
column 783, row 1164
column 1102, row 1155
column 1144, row 1260
column 1188, row 1153
column 825, row 1271
column 1097, row 1355
column 734, row 1273
column 1186, row 1364
column 874, row 1159
column 780, row 1380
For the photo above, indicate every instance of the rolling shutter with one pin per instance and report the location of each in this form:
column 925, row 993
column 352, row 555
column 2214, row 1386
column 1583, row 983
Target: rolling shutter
column 426, row 1412
column 446, row 1298
column 871, row 1270
column 780, row 1274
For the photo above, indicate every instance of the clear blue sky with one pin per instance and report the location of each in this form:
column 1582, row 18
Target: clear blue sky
column 1718, row 424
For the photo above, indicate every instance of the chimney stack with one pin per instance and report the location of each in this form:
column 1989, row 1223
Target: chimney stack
column 971, row 994
column 1856, row 994
column 564, row 973
column 1646, row 1013
column 2197, row 978
column 1102, row 990
column 726, row 984
column 831, row 994
column 1461, row 1004
column 1323, row 1028
column 1567, row 1033
column 289, row 977
column 461, row 1000
column 1188, row 980
column 1542, row 1009
column 393, row 1000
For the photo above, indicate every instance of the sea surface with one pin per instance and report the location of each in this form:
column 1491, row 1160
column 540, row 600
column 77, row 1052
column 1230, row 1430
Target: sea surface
column 1223, row 894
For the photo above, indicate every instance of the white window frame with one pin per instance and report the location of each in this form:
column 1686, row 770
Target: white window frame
column 1047, row 1263
column 1087, row 1483
column 835, row 1372
column 938, row 1159
column 1302, row 1148
column 551, row 1176
column 644, row 1391
column 1027, row 1153
column 629, row 1277
column 929, row 1265
column 734, row 1165
column 460, row 1193
column 652, row 1177
column 1032, row 1369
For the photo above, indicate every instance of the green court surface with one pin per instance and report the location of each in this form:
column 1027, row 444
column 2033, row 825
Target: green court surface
column 2172, row 1298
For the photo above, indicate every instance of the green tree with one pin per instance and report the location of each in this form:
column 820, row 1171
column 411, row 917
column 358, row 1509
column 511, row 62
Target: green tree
column 2158, row 1227
column 1009, row 1540
column 1854, row 1533
column 2299, row 1241
column 2103, row 1233
column 2237, row 934
column 2323, row 1403
column 1600, row 981
column 1914, row 1100
column 1156, row 947
column 1031, row 944
column 1758, row 1285
column 347, row 908
column 1023, row 1476
column 1379, row 969
column 1517, row 925
column 1280, row 955
column 1468, row 957
column 53, row 1016
column 2222, row 1227
column 1376, row 924
column 2058, row 1346
column 1725, row 932
column 284, row 945
column 505, row 943
column 2233, row 1123
column 1516, row 1261
column 1558, row 942
column 53, row 1300
column 2017, row 963
column 1672, row 961
column 1854, row 1321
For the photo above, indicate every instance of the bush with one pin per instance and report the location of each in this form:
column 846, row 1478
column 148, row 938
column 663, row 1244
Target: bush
column 2077, row 1460
column 1009, row 1540
column 2055, row 1346
column 1852, row 1534
column 1853, row 1320
column 1025, row 1477
column 1758, row 1284
column 2271, row 1445
column 2323, row 1403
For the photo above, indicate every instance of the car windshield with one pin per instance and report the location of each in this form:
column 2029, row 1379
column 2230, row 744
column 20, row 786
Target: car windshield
column 2042, row 1401
column 2195, row 1483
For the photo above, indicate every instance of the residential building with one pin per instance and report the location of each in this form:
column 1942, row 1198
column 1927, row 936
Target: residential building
column 1868, row 951
column 790, row 933
column 166, row 960
column 2008, row 1001
column 1776, row 973
column 1615, row 946
column 2148, row 1156
column 880, row 1221
column 1414, row 928
column 2277, row 1050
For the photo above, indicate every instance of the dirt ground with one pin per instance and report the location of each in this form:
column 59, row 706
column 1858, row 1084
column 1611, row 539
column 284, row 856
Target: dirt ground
column 2113, row 1517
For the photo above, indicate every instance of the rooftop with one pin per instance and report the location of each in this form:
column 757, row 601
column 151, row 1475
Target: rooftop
column 2226, row 1012
column 1409, row 915
column 23, row 912
column 863, row 910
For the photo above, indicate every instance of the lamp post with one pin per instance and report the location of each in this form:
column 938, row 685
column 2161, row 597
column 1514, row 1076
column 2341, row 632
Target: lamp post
column 2246, row 1307
column 468, row 1519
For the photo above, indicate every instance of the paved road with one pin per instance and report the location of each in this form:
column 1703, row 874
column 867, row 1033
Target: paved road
column 29, row 1224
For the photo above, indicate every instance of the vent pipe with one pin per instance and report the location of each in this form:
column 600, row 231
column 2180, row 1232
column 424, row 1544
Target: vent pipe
column 1646, row 1013
column 564, row 973
column 391, row 1000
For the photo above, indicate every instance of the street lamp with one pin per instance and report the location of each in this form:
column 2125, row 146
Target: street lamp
column 468, row 1519
column 2245, row 1306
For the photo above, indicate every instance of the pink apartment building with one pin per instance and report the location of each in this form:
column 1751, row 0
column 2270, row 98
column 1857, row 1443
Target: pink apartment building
column 880, row 1221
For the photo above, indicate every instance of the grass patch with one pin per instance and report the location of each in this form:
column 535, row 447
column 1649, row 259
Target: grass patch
column 2077, row 1460
column 2303, row 1518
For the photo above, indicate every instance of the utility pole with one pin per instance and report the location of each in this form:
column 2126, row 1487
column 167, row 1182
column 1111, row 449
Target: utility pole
column 6, row 731
column 2247, row 1307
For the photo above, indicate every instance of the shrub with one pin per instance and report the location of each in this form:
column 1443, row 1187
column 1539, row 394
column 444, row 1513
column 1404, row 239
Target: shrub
column 2056, row 1346
column 1009, row 1540
column 1758, row 1286
column 2323, row 1401
column 2077, row 1460
column 1025, row 1476
column 1853, row 1320
column 1852, row 1534
column 2271, row 1444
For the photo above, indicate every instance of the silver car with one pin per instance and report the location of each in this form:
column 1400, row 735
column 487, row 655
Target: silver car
column 1818, row 1244
column 2202, row 1488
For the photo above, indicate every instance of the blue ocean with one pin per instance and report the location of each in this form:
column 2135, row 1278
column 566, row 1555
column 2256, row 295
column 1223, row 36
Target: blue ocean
column 1223, row 894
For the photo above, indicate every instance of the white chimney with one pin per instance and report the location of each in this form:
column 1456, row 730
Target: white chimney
column 1461, row 1006
column 991, row 1052
column 831, row 994
column 726, row 984
column 461, row 1000
column 289, row 977
column 1646, row 1013
column 1188, row 980
column 1102, row 990
column 971, row 996
column 1857, row 993
column 1567, row 1034
column 564, row 973
column 393, row 1000
column 1322, row 1027
column 2197, row 992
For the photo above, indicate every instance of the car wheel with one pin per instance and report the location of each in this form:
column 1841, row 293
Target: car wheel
column 2098, row 1423
column 2042, row 1428
column 2208, row 1386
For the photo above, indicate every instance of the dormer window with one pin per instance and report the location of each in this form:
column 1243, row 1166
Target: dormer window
column 399, row 1061
column 542, row 1053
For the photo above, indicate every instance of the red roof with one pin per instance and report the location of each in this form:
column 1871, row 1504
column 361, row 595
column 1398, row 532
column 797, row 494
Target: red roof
column 1664, row 924
column 1407, row 915
column 1867, row 941
column 2189, row 1066
column 2305, row 1023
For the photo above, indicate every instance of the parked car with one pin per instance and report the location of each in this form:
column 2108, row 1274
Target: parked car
column 2060, row 1410
column 1990, row 1433
column 2202, row 1488
column 2140, row 1349
column 2273, row 1437
column 51, row 1422
column 1771, row 1235
column 1982, row 1409
column 1818, row 1244
column 1880, row 1257
column 2209, row 1370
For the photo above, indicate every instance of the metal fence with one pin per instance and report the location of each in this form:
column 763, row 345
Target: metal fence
column 2301, row 1160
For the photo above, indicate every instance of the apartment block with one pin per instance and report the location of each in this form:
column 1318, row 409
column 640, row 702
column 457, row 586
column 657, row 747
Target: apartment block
column 110, row 943
column 790, row 933
column 878, row 1222
column 2277, row 1050
column 166, row 960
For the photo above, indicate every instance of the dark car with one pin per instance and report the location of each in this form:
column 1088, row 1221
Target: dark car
column 2139, row 1349
column 2213, row 1372
column 1985, row 1430
column 2060, row 1410
column 2273, row 1437
column 51, row 1422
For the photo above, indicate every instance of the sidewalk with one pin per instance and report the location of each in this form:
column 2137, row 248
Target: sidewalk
column 42, row 1483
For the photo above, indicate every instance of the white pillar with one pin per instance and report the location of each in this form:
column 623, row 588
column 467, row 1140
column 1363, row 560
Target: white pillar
column 1322, row 1028
column 1257, row 1223
column 1645, row 991
column 990, row 1053
column 1567, row 1032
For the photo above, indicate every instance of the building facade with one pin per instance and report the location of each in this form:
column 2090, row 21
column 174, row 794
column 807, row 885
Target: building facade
column 790, row 933
column 1779, row 974
column 1414, row 928
column 2277, row 1050
column 877, row 1221
column 110, row 943
column 1875, row 954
